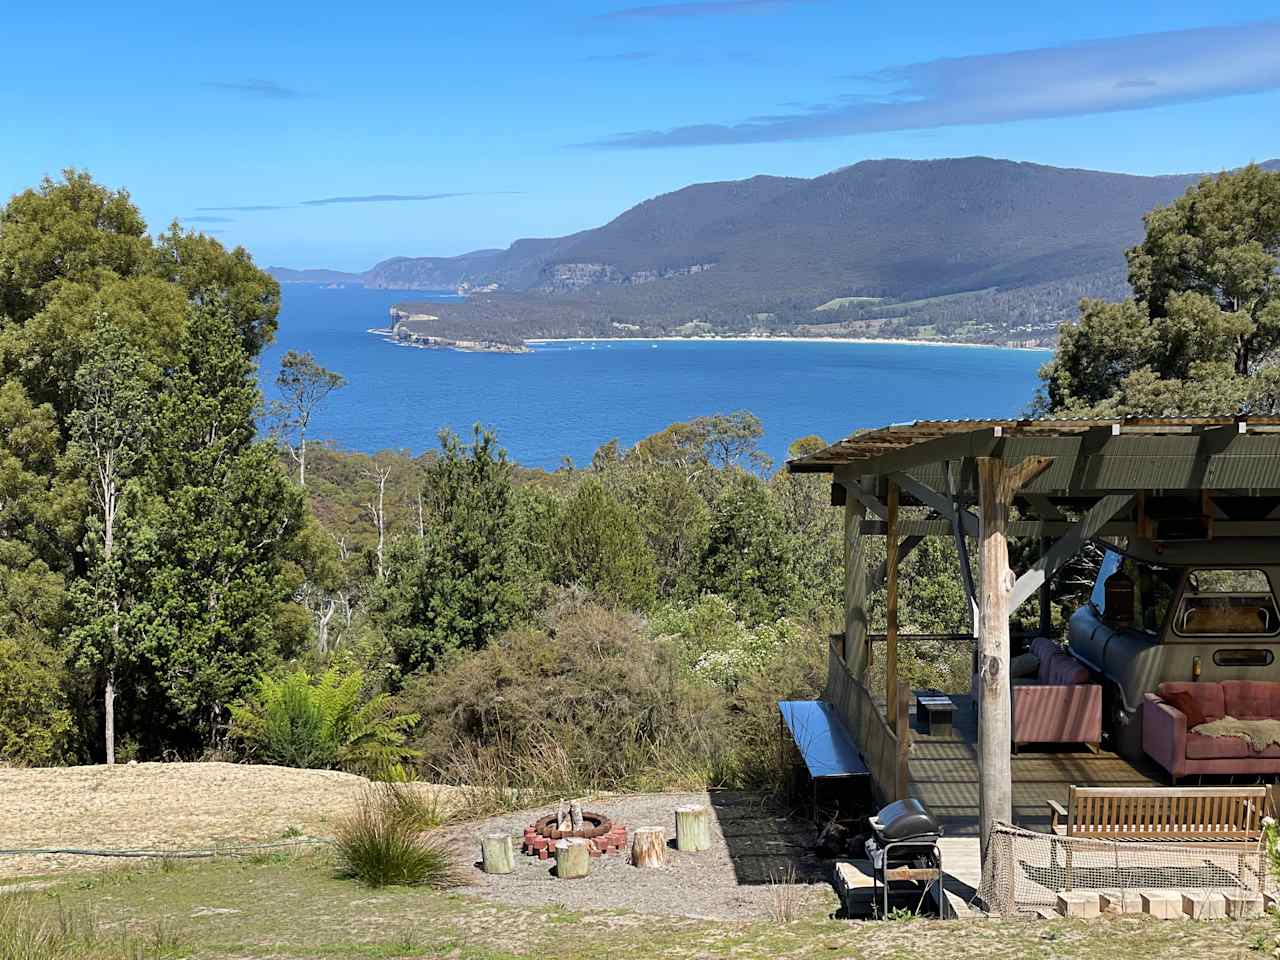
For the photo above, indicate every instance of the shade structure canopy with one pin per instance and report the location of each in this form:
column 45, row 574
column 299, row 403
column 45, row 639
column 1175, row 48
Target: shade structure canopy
column 1090, row 457
column 1164, row 484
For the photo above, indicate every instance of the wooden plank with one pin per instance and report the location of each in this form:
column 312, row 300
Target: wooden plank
column 917, row 874
column 944, row 506
column 891, row 611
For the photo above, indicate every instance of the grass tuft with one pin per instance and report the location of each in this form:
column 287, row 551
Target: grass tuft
column 385, row 843
column 78, row 935
column 785, row 896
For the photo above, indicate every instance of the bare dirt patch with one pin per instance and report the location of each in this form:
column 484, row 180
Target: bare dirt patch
column 162, row 806
column 752, row 846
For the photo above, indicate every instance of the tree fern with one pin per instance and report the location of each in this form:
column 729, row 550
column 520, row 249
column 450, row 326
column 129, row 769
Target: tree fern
column 322, row 723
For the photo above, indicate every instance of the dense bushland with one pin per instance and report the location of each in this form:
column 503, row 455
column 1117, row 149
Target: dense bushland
column 173, row 584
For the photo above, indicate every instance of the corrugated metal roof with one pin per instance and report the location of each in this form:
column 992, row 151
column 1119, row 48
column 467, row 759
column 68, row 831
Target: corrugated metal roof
column 866, row 446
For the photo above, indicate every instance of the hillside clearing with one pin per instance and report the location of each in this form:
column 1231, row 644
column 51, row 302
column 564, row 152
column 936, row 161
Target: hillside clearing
column 161, row 806
column 291, row 904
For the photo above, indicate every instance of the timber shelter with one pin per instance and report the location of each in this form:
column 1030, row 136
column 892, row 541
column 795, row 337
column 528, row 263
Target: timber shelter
column 1168, row 483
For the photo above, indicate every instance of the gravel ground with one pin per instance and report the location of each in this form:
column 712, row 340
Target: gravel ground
column 753, row 848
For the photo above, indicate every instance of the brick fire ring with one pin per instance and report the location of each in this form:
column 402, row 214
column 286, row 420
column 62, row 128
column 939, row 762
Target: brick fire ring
column 603, row 834
column 593, row 825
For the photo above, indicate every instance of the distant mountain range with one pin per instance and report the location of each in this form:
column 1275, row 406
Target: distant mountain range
column 969, row 249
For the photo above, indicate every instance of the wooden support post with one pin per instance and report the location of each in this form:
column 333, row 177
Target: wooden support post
column 649, row 847
column 997, row 484
column 1046, row 604
column 903, row 722
column 891, row 610
column 573, row 858
column 856, row 650
column 495, row 853
column 693, row 828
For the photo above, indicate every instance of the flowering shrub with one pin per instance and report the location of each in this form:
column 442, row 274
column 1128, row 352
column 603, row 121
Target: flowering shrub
column 715, row 645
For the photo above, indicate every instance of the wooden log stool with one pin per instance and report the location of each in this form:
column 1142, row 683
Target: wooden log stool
column 649, row 847
column 693, row 828
column 573, row 858
column 496, row 855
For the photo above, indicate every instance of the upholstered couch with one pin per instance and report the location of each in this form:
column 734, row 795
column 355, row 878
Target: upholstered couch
column 1059, row 704
column 1166, row 739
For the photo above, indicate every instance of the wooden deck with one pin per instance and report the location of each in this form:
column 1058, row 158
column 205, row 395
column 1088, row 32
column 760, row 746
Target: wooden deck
column 944, row 774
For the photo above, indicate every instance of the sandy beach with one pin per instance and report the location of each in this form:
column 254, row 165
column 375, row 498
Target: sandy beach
column 882, row 340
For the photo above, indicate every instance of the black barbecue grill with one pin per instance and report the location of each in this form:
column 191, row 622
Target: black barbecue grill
column 903, row 850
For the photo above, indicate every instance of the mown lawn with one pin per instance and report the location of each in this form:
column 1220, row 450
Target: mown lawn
column 294, row 906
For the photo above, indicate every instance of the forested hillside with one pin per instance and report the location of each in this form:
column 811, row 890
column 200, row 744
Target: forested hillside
column 968, row 249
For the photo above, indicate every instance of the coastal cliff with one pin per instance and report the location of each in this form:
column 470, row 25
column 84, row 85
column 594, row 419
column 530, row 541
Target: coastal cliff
column 414, row 329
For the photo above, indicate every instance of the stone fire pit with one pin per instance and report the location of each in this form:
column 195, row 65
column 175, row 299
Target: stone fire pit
column 604, row 835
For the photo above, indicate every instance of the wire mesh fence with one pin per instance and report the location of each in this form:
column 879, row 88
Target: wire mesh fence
column 1023, row 870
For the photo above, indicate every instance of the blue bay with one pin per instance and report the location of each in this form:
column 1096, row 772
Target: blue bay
column 567, row 398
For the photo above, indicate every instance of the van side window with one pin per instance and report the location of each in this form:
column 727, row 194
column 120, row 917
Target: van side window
column 1110, row 564
column 1149, row 596
column 1227, row 602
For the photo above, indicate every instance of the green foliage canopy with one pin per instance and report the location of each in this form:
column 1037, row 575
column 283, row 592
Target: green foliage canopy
column 1200, row 334
column 457, row 584
column 143, row 529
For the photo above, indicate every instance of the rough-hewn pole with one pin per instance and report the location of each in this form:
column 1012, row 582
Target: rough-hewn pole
column 855, row 589
column 891, row 609
column 997, row 483
column 995, row 768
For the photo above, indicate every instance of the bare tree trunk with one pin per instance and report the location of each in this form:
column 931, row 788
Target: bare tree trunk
column 302, row 459
column 108, row 549
column 379, row 475
column 109, row 712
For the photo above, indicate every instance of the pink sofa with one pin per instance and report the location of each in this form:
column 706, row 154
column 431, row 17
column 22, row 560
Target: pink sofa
column 1059, row 704
column 1167, row 741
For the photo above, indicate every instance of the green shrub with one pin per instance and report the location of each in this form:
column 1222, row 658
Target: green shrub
column 34, row 720
column 382, row 844
column 594, row 700
column 598, row 543
column 585, row 702
column 321, row 723
column 718, row 647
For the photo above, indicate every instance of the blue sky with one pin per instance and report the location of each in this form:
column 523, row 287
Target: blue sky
column 433, row 129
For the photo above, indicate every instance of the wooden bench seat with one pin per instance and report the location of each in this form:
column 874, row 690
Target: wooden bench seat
column 1192, row 814
column 1223, row 816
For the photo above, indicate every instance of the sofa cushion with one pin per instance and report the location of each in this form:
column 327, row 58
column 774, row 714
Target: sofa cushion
column 1066, row 670
column 1024, row 665
column 1184, row 702
column 1200, row 747
column 1045, row 649
column 1208, row 696
column 1251, row 699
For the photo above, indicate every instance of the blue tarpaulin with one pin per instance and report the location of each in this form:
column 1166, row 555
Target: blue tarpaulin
column 825, row 745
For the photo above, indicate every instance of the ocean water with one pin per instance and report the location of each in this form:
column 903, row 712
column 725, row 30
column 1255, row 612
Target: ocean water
column 566, row 399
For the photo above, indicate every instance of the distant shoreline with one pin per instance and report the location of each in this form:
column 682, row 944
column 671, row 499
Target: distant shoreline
column 902, row 341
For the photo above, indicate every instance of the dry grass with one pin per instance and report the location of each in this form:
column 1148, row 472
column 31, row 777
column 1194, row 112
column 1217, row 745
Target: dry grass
column 786, row 899
column 164, row 806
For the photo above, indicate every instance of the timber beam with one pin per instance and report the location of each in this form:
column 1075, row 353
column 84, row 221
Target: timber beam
column 946, row 507
column 1066, row 547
